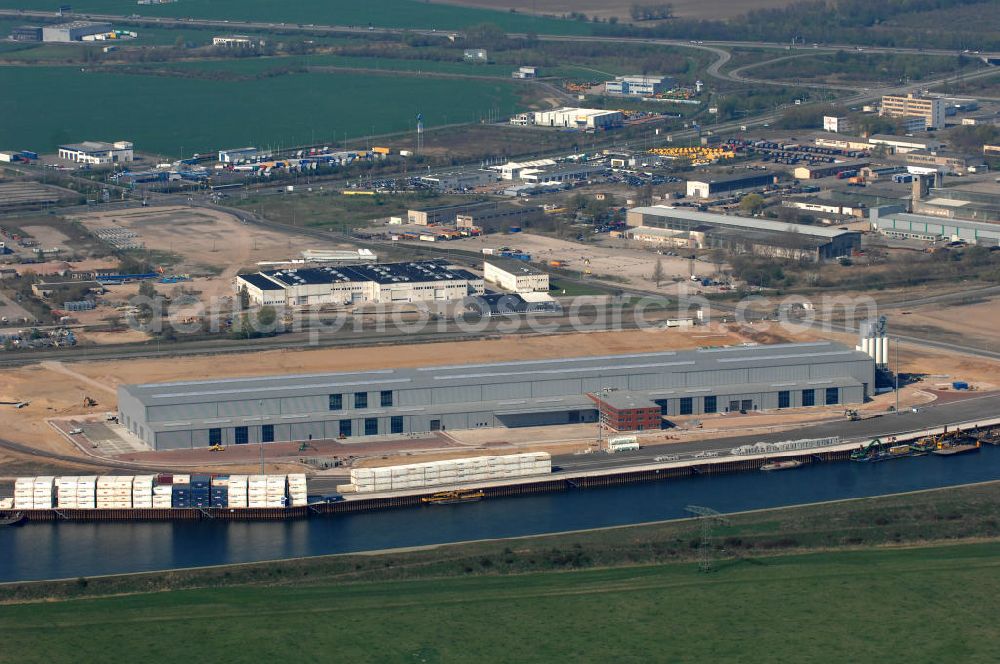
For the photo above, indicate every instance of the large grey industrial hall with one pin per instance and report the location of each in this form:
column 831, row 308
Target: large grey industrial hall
column 507, row 394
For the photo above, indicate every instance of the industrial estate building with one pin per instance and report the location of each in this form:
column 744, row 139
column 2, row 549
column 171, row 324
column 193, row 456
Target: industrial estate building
column 930, row 109
column 237, row 41
column 817, row 171
column 515, row 276
column 388, row 283
column 75, row 31
column 497, row 217
column 98, row 153
column 836, row 124
column 904, row 144
column 683, row 227
column 946, row 161
column 977, row 201
column 638, row 86
column 460, row 180
column 903, row 225
column 241, row 411
column 729, row 184
column 571, row 118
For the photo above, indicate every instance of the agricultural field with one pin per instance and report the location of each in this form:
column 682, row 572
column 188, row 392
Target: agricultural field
column 899, row 578
column 605, row 9
column 380, row 13
column 848, row 67
column 173, row 115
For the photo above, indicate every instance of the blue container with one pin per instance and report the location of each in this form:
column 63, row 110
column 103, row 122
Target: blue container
column 960, row 385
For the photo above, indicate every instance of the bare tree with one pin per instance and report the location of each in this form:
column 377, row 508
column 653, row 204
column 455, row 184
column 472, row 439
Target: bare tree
column 658, row 272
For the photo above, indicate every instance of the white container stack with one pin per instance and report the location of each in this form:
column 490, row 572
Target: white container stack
column 114, row 492
column 43, row 493
column 162, row 497
column 86, row 492
column 237, row 497
column 24, row 493
column 257, row 491
column 142, row 491
column 66, row 496
column 454, row 471
column 298, row 493
column 277, row 489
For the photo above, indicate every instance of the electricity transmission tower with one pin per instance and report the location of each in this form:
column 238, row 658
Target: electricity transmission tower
column 708, row 518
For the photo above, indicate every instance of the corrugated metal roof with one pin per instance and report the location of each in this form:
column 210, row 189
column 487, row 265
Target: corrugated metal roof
column 754, row 223
column 605, row 367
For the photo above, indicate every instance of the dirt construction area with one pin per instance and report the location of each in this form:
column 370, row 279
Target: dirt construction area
column 976, row 323
column 56, row 393
column 209, row 245
column 613, row 261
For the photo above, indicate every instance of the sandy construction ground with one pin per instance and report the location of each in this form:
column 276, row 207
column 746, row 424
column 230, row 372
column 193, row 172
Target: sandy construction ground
column 979, row 322
column 712, row 9
column 212, row 246
column 611, row 260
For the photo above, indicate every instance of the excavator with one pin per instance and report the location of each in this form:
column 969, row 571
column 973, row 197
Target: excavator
column 88, row 402
column 216, row 448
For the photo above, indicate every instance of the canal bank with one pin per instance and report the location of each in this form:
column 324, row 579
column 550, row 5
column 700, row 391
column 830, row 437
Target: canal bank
column 62, row 549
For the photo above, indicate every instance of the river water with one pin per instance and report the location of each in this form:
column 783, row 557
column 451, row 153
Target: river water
column 68, row 550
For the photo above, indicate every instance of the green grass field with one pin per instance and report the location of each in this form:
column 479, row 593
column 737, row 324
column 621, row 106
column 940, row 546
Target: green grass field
column 906, row 605
column 173, row 115
column 381, row 13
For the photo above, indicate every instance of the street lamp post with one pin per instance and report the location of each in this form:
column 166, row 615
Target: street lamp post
column 260, row 439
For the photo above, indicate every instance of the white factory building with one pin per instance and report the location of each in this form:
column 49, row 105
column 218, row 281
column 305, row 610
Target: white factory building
column 515, row 276
column 638, row 86
column 386, row 283
column 237, row 155
column 75, row 31
column 97, row 153
column 571, row 118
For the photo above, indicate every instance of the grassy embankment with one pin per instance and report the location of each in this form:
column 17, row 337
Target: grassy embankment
column 868, row 580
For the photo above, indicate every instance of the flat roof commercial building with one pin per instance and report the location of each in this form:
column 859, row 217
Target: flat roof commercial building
column 638, row 86
column 906, row 226
column 460, row 180
column 98, row 153
column 978, row 201
column 497, row 217
column 729, row 184
column 386, row 283
column 931, row 109
column 744, row 235
column 515, row 276
column 817, row 171
column 946, row 161
column 74, row 31
column 26, row 33
column 578, row 118
column 237, row 411
column 904, row 144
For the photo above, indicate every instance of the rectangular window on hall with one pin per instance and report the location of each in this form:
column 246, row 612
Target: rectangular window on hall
column 784, row 399
column 711, row 406
column 345, row 428
column 360, row 399
column 241, row 435
column 267, row 433
column 386, row 398
column 371, row 426
column 336, row 402
column 215, row 436
column 686, row 406
column 832, row 396
column 396, row 424
column 808, row 397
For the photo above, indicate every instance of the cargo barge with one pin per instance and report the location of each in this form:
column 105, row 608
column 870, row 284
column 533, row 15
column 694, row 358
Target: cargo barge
column 488, row 489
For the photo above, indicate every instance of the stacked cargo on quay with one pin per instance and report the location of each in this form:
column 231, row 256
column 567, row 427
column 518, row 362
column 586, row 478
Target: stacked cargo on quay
column 445, row 473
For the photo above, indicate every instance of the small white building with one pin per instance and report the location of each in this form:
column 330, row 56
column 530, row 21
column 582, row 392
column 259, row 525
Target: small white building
column 515, row 276
column 904, row 144
column 526, row 73
column 836, row 124
column 97, row 153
